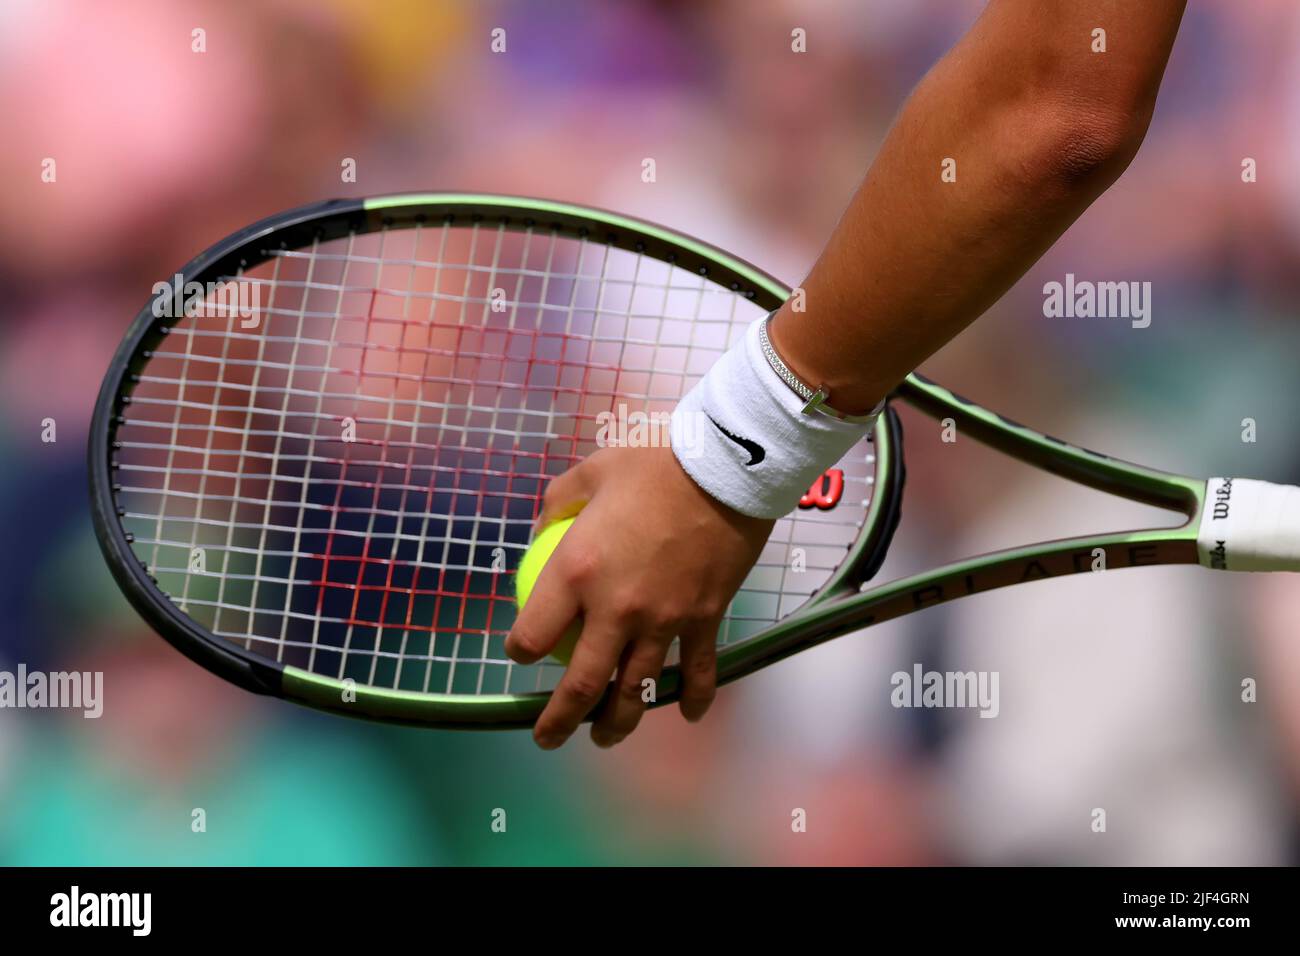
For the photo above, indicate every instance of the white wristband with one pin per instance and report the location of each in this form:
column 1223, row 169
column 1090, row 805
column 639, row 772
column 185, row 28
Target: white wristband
column 743, row 437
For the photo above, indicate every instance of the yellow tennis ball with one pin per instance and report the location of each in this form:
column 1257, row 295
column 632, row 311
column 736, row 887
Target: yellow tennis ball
column 535, row 558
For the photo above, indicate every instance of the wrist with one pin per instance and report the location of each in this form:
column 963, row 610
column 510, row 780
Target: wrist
column 743, row 435
column 842, row 394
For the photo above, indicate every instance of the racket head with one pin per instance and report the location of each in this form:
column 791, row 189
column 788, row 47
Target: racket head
column 321, row 490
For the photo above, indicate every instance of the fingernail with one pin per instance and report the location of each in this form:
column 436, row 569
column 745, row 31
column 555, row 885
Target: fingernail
column 550, row 741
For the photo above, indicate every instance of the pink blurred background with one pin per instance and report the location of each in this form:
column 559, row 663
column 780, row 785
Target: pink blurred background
column 1120, row 692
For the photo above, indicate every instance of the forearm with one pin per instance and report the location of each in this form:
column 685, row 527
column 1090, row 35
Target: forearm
column 1037, row 125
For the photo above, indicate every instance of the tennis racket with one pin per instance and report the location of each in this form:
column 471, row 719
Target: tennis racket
column 317, row 457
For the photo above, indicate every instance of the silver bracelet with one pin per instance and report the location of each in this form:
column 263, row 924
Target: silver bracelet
column 814, row 398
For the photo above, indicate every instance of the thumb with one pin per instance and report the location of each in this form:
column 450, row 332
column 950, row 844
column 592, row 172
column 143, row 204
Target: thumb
column 567, row 494
column 543, row 621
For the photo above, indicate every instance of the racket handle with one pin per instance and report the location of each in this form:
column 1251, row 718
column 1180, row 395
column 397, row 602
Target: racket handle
column 1249, row 525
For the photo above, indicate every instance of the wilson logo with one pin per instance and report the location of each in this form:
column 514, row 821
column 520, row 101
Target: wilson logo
column 825, row 492
column 1222, row 500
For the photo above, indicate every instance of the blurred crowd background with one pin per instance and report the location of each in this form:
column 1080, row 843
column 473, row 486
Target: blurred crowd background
column 1120, row 692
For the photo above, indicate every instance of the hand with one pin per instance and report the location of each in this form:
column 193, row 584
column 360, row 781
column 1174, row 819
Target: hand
column 651, row 557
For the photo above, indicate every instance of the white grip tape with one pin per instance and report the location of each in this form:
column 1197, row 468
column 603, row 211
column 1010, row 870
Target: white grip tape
column 1249, row 525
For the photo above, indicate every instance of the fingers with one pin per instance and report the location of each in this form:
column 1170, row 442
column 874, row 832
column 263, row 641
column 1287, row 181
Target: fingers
column 699, row 668
column 649, row 558
column 643, row 660
column 568, row 493
column 597, row 656
column 541, row 623
column 581, row 687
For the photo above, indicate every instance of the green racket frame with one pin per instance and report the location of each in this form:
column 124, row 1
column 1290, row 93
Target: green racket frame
column 839, row 607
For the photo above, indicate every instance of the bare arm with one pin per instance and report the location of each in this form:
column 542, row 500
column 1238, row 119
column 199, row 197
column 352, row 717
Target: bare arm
column 1038, row 126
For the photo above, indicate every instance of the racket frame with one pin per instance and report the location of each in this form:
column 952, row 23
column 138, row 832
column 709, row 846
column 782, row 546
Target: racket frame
column 839, row 607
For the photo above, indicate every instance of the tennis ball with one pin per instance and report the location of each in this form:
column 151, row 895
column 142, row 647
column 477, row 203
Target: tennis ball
column 535, row 558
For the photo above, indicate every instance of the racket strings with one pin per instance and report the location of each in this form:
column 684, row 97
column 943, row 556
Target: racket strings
column 346, row 480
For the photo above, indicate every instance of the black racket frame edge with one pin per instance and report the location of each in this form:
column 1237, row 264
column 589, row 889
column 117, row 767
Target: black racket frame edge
column 892, row 513
column 239, row 251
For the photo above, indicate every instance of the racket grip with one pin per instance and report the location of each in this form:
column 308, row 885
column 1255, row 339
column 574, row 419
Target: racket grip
column 1249, row 525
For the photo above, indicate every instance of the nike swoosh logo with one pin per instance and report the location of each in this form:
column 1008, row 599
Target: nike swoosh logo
column 756, row 452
